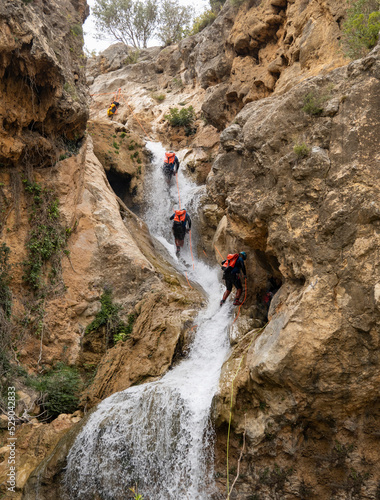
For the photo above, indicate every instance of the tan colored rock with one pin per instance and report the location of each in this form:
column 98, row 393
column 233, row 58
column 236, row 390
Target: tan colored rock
column 304, row 386
column 46, row 71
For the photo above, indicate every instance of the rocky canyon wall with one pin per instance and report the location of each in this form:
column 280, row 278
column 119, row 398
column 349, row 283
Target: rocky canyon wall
column 286, row 142
column 300, row 193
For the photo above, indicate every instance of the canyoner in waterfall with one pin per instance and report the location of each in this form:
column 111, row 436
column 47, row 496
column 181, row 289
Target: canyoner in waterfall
column 231, row 268
column 113, row 108
column 180, row 219
column 170, row 166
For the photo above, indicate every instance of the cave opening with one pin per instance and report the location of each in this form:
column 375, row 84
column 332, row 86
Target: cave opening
column 267, row 287
column 121, row 185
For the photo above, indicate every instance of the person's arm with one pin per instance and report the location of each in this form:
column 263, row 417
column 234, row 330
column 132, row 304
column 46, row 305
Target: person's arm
column 176, row 162
column 188, row 220
column 243, row 268
column 172, row 217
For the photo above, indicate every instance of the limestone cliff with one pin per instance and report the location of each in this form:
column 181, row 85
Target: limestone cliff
column 305, row 387
column 66, row 237
column 250, row 52
column 286, row 142
column 42, row 69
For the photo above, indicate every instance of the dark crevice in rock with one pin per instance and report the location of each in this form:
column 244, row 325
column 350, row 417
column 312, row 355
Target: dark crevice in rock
column 121, row 184
column 274, row 281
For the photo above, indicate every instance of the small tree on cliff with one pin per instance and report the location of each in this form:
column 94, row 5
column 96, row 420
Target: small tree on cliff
column 174, row 21
column 127, row 21
column 361, row 28
column 133, row 22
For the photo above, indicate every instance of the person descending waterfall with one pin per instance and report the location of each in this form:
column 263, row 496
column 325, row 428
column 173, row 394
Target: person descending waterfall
column 181, row 219
column 170, row 166
column 231, row 274
column 113, row 108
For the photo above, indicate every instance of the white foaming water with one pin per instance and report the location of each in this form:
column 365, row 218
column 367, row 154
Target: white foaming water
column 158, row 435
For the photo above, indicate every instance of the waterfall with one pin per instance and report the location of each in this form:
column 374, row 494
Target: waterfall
column 158, row 435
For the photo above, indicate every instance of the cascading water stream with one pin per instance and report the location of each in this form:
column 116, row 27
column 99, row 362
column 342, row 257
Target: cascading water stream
column 158, row 435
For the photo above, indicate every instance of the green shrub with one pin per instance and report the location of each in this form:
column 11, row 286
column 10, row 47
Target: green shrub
column 183, row 118
column 76, row 30
column 201, row 22
column 177, row 83
column 313, row 104
column 47, row 237
column 301, row 150
column 159, row 97
column 59, row 390
column 122, row 135
column 132, row 57
column 108, row 317
column 361, row 28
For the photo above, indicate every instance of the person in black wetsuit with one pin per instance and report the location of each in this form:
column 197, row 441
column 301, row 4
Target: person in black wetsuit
column 170, row 166
column 231, row 275
column 180, row 219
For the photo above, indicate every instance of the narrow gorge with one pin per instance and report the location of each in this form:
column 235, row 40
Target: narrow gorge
column 124, row 370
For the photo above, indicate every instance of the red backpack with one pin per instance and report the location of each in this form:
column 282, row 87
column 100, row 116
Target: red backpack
column 180, row 216
column 169, row 158
column 231, row 260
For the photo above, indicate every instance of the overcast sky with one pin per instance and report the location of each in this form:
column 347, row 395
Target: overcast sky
column 90, row 42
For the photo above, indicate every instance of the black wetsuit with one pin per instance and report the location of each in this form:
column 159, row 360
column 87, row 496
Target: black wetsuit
column 232, row 275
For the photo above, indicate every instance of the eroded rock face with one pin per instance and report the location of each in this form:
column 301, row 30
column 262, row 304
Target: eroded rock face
column 304, row 393
column 249, row 53
column 105, row 249
column 42, row 89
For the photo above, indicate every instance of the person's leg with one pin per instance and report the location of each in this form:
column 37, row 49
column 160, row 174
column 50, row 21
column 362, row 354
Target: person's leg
column 239, row 290
column 179, row 244
column 227, row 292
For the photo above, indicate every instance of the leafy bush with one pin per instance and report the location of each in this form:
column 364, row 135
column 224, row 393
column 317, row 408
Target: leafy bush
column 76, row 30
column 201, row 22
column 361, row 29
column 59, row 390
column 313, row 103
column 183, row 118
column 177, row 83
column 132, row 57
column 108, row 317
column 47, row 237
column 301, row 150
column 159, row 97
